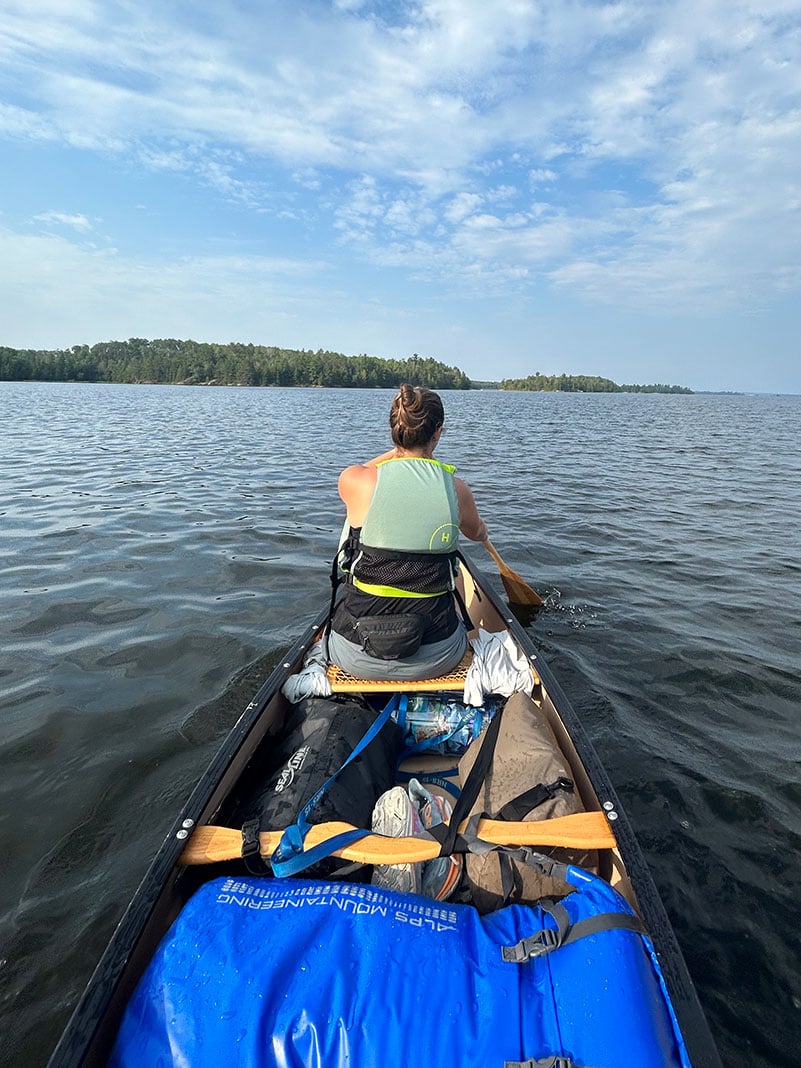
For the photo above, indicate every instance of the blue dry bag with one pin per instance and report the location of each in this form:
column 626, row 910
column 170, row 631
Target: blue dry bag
column 284, row 973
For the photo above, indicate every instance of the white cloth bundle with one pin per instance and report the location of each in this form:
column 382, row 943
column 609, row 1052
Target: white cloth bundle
column 498, row 666
column 311, row 680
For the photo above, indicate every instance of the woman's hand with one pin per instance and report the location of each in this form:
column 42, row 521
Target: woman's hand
column 470, row 522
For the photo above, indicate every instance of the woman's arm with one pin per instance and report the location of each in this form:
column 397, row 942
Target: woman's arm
column 356, row 485
column 470, row 522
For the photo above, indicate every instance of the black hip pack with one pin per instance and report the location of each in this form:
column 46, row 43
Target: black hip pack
column 390, row 637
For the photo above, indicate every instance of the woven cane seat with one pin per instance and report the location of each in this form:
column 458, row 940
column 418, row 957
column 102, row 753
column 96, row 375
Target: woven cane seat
column 342, row 682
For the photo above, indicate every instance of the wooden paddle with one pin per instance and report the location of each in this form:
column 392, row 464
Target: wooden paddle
column 518, row 591
column 581, row 830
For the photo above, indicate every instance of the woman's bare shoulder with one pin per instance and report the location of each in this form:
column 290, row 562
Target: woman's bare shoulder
column 357, row 473
column 355, row 478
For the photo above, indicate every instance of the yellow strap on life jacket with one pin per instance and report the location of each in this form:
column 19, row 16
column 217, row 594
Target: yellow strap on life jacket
column 389, row 591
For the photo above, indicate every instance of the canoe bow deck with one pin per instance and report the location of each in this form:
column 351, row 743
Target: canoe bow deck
column 200, row 847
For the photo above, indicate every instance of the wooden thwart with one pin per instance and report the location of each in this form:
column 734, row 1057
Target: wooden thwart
column 582, row 830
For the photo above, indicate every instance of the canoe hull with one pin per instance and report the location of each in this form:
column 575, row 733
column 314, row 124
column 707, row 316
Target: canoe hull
column 169, row 884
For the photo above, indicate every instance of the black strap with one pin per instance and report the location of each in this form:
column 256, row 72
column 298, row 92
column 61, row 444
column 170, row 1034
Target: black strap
column 447, row 834
column 511, row 880
column 547, row 1062
column 513, row 811
column 468, row 622
column 336, row 579
column 519, row 807
column 343, row 558
column 547, row 940
column 251, row 851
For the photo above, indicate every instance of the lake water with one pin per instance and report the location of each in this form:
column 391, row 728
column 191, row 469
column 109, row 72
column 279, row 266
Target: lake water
column 161, row 546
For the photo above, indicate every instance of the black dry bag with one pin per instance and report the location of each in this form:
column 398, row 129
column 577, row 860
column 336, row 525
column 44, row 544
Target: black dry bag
column 319, row 735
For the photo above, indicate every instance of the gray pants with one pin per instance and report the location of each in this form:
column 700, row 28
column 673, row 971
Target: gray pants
column 429, row 662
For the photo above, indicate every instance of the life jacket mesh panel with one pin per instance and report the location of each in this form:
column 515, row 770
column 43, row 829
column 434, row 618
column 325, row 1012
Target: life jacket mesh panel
column 413, row 572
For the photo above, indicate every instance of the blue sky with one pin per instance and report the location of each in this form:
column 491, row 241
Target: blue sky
column 506, row 185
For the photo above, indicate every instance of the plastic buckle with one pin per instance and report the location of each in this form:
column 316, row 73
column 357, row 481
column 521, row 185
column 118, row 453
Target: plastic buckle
column 556, row 1061
column 529, row 948
column 290, row 845
column 541, row 943
column 250, row 838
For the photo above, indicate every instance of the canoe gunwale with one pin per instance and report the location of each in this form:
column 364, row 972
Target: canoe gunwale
column 692, row 1020
column 76, row 1045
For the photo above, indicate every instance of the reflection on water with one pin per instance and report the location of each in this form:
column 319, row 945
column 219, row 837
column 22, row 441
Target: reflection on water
column 162, row 546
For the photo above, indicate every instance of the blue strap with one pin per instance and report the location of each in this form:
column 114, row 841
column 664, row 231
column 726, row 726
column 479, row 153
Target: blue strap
column 290, row 856
column 403, row 704
column 438, row 778
column 283, row 869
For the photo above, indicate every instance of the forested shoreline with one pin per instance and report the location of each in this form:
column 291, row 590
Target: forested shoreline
column 173, row 362
column 582, row 384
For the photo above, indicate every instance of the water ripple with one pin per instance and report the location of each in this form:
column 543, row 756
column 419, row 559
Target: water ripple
column 162, row 546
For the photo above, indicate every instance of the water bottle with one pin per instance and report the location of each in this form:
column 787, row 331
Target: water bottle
column 439, row 723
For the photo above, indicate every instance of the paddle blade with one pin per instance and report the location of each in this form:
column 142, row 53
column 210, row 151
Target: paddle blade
column 518, row 591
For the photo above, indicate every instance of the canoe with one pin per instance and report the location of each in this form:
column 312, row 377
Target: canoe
column 200, row 865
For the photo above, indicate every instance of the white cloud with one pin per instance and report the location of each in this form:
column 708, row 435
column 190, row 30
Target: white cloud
column 89, row 294
column 60, row 218
column 663, row 140
column 462, row 205
column 24, row 124
column 542, row 176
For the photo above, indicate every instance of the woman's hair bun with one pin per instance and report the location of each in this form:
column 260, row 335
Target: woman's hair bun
column 415, row 416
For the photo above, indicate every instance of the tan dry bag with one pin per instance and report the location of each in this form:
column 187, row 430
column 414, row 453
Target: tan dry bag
column 526, row 757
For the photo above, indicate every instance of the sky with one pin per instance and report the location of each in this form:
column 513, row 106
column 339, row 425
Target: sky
column 509, row 186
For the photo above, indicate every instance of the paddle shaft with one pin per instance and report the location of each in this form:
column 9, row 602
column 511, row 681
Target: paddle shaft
column 496, row 556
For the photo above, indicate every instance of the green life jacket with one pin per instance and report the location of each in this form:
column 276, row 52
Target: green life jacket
column 409, row 538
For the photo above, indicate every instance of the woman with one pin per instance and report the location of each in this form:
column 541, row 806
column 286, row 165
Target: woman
column 397, row 618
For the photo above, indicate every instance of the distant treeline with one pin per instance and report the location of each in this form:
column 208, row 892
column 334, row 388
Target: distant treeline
column 582, row 384
column 201, row 363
